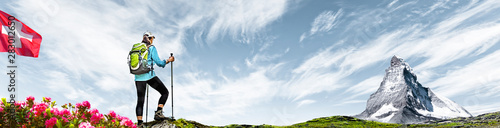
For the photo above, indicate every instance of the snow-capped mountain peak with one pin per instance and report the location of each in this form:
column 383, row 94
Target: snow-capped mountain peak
column 402, row 99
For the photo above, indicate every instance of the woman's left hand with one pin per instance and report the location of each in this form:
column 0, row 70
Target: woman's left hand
column 171, row 59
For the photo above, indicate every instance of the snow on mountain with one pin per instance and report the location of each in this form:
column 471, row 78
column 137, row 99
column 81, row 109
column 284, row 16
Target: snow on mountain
column 402, row 99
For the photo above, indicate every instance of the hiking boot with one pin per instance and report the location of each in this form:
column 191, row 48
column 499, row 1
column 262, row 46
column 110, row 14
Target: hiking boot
column 159, row 115
column 140, row 125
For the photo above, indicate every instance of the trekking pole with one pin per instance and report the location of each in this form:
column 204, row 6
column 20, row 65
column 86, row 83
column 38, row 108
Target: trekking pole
column 147, row 99
column 172, row 83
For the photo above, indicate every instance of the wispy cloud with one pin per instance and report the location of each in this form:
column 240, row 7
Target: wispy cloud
column 322, row 59
column 482, row 109
column 324, row 22
column 305, row 102
column 437, row 5
column 212, row 101
column 392, row 3
column 364, row 87
column 261, row 57
column 480, row 78
column 467, row 13
column 242, row 20
column 315, row 75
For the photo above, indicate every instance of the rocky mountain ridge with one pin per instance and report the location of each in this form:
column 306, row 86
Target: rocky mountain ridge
column 402, row 99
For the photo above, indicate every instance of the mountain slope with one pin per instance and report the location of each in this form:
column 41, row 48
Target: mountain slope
column 402, row 99
column 483, row 120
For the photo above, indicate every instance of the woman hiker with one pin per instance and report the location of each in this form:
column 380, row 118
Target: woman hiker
column 150, row 78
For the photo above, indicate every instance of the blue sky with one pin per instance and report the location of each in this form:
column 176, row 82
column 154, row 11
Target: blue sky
column 260, row 62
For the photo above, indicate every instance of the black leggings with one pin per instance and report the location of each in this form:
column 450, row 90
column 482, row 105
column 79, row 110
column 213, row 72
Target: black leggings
column 154, row 82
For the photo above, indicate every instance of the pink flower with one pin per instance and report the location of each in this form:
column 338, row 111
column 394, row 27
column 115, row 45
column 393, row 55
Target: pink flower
column 78, row 105
column 96, row 118
column 65, row 119
column 21, row 104
column 30, row 98
column 86, row 104
column 40, row 108
column 65, row 112
column 1, row 109
column 85, row 125
column 55, row 112
column 47, row 99
column 122, row 117
column 94, row 111
column 51, row 122
column 127, row 122
column 112, row 114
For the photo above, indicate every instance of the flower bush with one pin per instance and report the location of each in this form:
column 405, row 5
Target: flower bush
column 44, row 114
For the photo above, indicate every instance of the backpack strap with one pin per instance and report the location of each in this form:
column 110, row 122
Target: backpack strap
column 152, row 61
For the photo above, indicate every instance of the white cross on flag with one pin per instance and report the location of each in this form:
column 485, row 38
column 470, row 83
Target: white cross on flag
column 15, row 33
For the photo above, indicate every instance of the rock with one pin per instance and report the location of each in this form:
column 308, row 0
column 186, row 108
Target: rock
column 160, row 124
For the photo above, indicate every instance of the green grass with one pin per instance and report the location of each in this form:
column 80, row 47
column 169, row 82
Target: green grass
column 485, row 120
column 342, row 121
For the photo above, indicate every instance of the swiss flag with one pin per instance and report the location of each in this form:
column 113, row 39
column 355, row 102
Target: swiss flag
column 26, row 40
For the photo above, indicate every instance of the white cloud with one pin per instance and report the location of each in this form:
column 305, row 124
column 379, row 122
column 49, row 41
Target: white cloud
column 438, row 4
column 324, row 22
column 236, row 68
column 309, row 83
column 212, row 101
column 314, row 75
column 462, row 15
column 323, row 59
column 392, row 9
column 392, row 3
column 302, row 37
column 346, row 102
column 60, row 83
column 262, row 57
column 482, row 109
column 480, row 78
column 305, row 102
column 364, row 87
column 240, row 19
column 455, row 45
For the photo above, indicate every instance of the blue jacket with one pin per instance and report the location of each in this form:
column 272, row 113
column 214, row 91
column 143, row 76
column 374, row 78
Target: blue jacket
column 152, row 57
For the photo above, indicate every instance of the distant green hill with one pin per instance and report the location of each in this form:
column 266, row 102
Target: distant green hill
column 484, row 120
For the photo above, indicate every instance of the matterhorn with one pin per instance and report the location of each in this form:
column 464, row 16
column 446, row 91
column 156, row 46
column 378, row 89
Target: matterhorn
column 402, row 99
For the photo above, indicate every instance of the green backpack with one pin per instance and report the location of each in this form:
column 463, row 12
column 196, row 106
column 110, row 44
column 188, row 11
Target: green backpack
column 138, row 59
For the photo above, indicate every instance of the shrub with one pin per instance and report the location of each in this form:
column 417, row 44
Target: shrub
column 44, row 114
